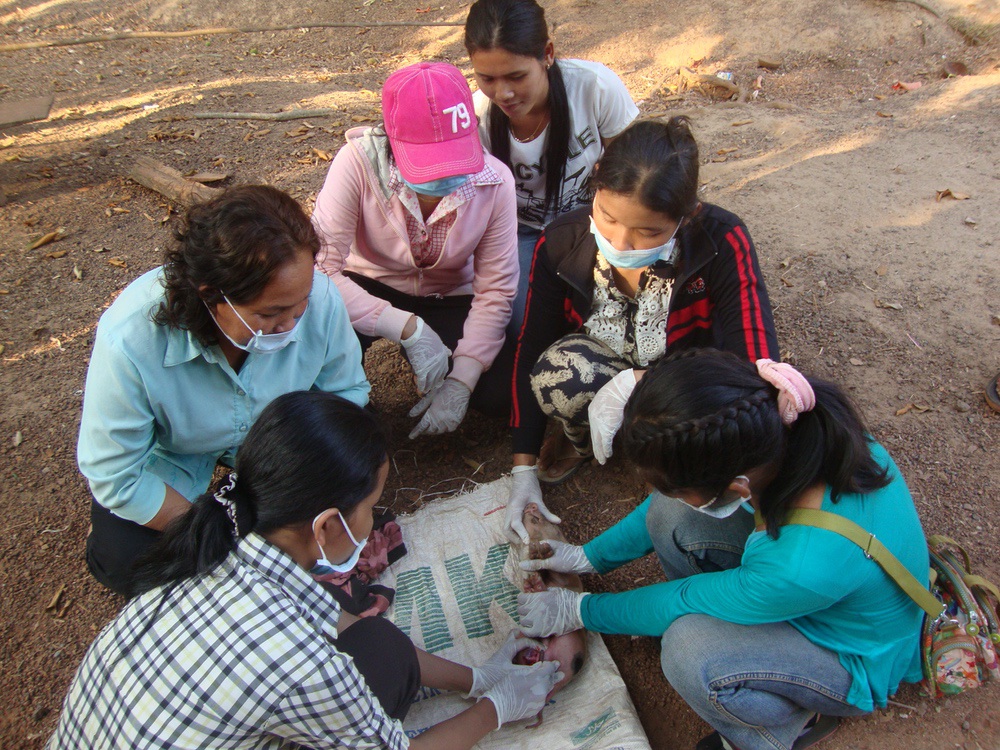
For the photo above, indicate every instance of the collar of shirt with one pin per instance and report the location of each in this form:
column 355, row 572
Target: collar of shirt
column 272, row 563
column 486, row 176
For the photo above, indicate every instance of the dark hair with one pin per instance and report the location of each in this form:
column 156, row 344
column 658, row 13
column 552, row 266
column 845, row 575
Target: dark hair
column 701, row 417
column 518, row 27
column 657, row 163
column 307, row 452
column 232, row 245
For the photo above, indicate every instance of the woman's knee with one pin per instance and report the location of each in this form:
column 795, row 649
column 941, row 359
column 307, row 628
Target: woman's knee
column 569, row 373
column 387, row 659
column 684, row 651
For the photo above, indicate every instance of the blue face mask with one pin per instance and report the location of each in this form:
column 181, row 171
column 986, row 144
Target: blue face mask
column 438, row 188
column 635, row 258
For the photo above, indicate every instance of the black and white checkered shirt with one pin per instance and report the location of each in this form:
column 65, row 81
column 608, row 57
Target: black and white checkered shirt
column 240, row 658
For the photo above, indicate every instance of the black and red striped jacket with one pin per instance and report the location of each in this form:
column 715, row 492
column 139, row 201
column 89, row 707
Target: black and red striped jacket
column 718, row 300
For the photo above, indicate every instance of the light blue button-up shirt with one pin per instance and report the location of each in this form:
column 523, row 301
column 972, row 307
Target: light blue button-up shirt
column 161, row 409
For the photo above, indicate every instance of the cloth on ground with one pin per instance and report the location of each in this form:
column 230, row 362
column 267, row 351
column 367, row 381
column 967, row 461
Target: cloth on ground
column 357, row 591
column 456, row 596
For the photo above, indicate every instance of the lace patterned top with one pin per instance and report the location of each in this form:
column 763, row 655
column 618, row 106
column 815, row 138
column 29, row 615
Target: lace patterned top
column 634, row 328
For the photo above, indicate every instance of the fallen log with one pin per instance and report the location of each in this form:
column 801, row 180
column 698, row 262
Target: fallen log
column 170, row 183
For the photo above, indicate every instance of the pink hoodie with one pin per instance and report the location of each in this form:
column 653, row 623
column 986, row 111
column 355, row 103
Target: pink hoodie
column 362, row 226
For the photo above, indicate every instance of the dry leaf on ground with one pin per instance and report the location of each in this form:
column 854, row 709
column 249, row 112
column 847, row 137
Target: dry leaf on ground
column 45, row 239
column 949, row 193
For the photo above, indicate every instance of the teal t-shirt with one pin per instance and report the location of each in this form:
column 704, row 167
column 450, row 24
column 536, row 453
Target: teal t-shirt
column 816, row 580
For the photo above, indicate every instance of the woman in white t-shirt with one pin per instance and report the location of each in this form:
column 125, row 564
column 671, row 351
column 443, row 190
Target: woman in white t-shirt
column 547, row 120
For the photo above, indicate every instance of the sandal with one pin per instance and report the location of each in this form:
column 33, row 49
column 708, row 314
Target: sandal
column 818, row 728
column 565, row 453
column 992, row 394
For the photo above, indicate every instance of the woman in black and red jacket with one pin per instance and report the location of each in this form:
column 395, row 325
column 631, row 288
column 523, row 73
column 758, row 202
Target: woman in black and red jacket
column 647, row 271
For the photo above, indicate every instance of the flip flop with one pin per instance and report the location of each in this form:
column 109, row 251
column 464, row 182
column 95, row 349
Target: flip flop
column 545, row 478
column 992, row 394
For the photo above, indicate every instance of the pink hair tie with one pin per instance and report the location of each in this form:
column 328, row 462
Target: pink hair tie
column 795, row 395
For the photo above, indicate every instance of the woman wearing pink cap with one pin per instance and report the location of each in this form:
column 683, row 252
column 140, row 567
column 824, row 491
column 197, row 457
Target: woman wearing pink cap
column 772, row 646
column 419, row 232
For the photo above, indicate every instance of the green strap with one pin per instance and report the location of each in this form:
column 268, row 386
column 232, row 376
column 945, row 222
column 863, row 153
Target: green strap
column 873, row 549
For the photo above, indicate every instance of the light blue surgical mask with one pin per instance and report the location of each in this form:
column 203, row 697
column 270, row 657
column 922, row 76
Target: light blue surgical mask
column 635, row 258
column 323, row 565
column 438, row 188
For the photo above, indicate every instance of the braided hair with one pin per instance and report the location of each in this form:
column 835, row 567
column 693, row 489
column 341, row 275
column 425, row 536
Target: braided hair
column 702, row 417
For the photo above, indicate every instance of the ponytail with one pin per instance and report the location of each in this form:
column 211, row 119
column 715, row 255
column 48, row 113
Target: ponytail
column 307, row 452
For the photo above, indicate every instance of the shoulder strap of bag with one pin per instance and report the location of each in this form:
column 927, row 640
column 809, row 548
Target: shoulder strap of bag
column 874, row 550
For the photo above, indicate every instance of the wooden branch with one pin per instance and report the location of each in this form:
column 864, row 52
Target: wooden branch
column 219, row 30
column 292, row 114
column 921, row 4
column 170, row 183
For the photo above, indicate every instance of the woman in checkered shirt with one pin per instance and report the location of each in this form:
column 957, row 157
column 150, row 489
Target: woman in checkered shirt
column 232, row 644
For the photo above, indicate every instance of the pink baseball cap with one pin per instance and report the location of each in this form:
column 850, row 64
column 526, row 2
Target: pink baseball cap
column 431, row 124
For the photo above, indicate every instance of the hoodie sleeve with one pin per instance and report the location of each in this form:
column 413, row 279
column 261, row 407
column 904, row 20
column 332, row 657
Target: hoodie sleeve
column 337, row 217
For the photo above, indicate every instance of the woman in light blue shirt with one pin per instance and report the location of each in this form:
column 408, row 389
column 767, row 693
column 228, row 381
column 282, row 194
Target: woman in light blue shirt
column 188, row 356
column 805, row 628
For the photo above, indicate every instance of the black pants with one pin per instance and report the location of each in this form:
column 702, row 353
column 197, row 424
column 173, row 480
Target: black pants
column 113, row 547
column 387, row 659
column 446, row 316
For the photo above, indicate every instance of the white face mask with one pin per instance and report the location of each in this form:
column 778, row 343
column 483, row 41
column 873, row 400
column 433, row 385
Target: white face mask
column 324, row 566
column 726, row 510
column 260, row 342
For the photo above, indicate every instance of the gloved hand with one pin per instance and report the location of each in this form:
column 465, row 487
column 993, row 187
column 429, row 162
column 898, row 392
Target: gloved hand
column 606, row 412
column 494, row 669
column 443, row 408
column 428, row 357
column 523, row 693
column 552, row 612
column 524, row 489
column 566, row 558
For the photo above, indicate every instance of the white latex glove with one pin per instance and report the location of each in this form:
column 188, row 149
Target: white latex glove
column 428, row 356
column 522, row 694
column 606, row 412
column 443, row 408
column 566, row 558
column 552, row 612
column 494, row 669
column 524, row 489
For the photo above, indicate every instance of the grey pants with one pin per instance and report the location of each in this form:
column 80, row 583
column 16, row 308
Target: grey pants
column 567, row 376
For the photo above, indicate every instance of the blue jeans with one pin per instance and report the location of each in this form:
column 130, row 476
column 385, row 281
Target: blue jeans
column 757, row 685
column 527, row 238
column 688, row 542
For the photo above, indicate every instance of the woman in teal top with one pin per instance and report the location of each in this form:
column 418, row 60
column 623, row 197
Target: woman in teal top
column 805, row 625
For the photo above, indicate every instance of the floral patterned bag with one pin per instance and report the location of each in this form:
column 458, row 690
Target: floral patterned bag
column 960, row 638
column 959, row 647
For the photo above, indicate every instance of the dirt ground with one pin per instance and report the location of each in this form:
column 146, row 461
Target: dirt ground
column 877, row 280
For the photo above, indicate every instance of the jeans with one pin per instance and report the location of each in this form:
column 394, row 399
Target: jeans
column 688, row 542
column 757, row 685
column 527, row 238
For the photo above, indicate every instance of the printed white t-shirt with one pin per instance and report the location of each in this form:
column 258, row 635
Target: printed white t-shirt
column 599, row 107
